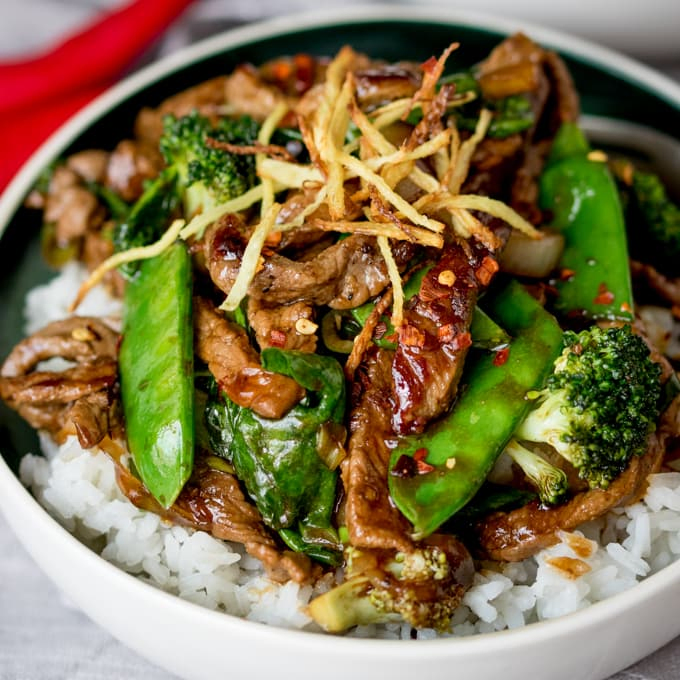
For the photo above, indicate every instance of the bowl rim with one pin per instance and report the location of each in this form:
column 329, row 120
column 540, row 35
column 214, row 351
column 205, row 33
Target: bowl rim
column 12, row 491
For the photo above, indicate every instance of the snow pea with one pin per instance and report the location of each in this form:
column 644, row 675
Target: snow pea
column 579, row 191
column 436, row 473
column 156, row 372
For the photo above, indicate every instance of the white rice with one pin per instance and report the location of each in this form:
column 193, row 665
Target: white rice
column 78, row 489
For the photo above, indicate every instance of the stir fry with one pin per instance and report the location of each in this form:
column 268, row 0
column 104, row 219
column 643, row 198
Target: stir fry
column 381, row 320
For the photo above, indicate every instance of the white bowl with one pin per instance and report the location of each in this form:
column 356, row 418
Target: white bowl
column 196, row 643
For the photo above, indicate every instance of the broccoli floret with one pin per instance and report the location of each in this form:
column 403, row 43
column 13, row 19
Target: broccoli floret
column 599, row 404
column 422, row 587
column 551, row 483
column 209, row 174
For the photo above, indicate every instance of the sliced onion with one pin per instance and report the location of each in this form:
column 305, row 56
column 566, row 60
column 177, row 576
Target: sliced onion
column 330, row 440
column 330, row 334
column 536, row 258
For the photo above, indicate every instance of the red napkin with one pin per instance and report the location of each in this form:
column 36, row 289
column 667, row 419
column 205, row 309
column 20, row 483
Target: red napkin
column 38, row 94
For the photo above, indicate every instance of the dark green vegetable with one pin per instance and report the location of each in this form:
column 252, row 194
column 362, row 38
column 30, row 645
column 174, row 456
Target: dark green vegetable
column 599, row 404
column 511, row 115
column 491, row 497
column 209, row 175
column 118, row 209
column 582, row 197
column 148, row 218
column 156, row 372
column 463, row 446
column 278, row 460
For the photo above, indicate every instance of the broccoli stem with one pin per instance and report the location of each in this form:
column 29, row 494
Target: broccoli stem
column 550, row 482
column 347, row 605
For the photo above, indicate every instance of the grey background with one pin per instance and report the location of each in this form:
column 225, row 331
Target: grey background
column 42, row 636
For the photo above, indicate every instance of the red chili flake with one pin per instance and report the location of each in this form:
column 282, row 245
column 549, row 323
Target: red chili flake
column 277, row 338
column 411, row 336
column 625, row 307
column 429, row 65
column 423, row 468
column 486, row 270
column 462, row 341
column 501, row 356
column 446, row 333
column 420, row 454
column 430, row 290
column 566, row 274
column 604, row 295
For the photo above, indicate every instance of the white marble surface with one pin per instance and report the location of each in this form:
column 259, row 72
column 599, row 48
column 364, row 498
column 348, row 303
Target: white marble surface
column 43, row 637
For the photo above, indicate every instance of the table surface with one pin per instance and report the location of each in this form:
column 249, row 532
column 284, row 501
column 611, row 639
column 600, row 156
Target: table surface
column 42, row 635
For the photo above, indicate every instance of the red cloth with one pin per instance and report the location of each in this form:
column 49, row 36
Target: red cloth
column 40, row 93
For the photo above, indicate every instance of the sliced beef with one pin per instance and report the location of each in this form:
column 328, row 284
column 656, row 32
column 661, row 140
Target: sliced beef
column 372, row 520
column 130, row 165
column 435, row 336
column 212, row 501
column 342, row 276
column 208, row 98
column 380, row 83
column 518, row 534
column 83, row 395
column 285, row 326
column 90, row 164
column 248, row 94
column 96, row 248
column 520, row 66
column 70, row 206
column 234, row 363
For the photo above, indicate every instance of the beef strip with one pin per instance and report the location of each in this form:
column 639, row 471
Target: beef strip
column 278, row 326
column 234, row 363
column 434, row 338
column 70, row 206
column 342, row 276
column 249, row 95
column 96, row 248
column 520, row 66
column 80, row 339
column 207, row 97
column 89, row 164
column 84, row 394
column 381, row 83
column 130, row 165
column 371, row 519
column 515, row 535
column 212, row 501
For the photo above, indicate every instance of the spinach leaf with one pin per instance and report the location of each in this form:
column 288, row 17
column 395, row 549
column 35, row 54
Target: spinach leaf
column 278, row 461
